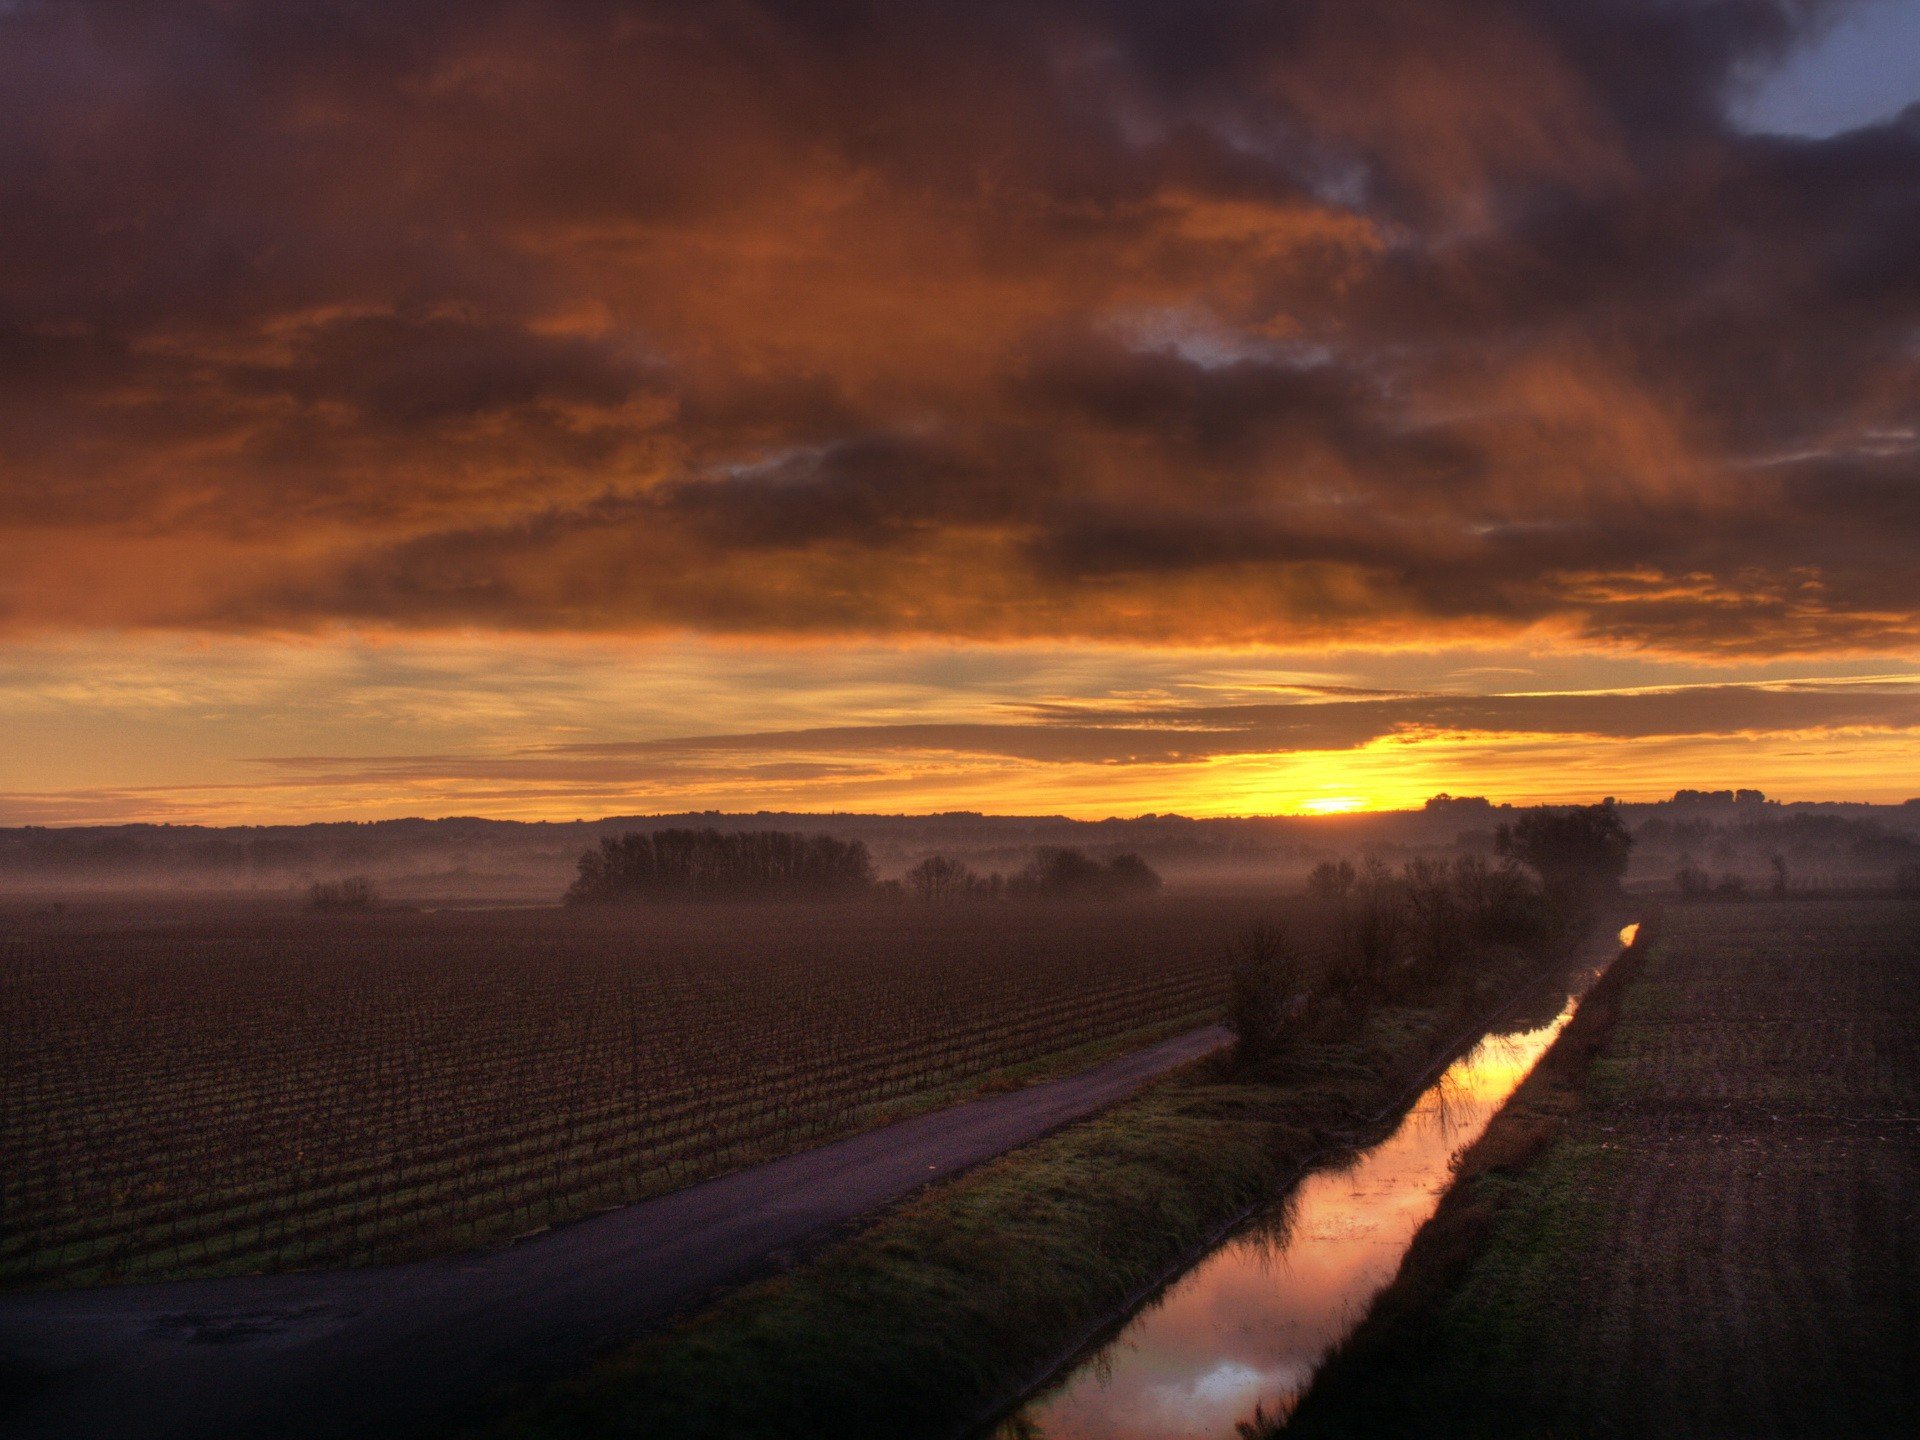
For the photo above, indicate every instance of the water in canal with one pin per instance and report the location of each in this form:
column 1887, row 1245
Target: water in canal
column 1247, row 1325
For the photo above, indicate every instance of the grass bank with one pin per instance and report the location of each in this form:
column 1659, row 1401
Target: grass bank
column 963, row 1297
column 1696, row 1216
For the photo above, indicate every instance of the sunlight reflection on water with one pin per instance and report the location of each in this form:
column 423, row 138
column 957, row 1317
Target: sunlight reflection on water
column 1248, row 1324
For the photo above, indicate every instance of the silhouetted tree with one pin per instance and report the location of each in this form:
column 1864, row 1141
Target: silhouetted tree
column 1503, row 906
column 1332, row 880
column 1580, row 855
column 1062, row 872
column 1437, row 915
column 1368, row 940
column 1270, row 992
column 937, row 880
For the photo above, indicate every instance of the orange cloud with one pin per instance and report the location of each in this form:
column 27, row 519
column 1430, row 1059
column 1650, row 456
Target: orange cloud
column 1331, row 322
column 1306, row 746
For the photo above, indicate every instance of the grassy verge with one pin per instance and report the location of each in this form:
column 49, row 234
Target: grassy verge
column 1695, row 1216
column 958, row 1299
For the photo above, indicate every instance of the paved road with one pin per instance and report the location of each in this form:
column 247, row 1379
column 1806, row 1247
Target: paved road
column 388, row 1350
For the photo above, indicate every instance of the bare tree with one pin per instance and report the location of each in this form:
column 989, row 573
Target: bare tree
column 1271, row 991
column 938, row 880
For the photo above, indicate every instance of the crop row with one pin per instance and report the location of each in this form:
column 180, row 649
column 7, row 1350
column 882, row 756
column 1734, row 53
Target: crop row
column 320, row 1092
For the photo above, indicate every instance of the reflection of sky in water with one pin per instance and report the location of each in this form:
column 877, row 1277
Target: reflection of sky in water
column 1248, row 1323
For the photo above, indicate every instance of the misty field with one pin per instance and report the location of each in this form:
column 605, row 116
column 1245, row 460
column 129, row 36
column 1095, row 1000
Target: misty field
column 1711, row 1231
column 274, row 1091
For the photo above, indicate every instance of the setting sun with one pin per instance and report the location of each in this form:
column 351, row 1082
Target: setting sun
column 1333, row 805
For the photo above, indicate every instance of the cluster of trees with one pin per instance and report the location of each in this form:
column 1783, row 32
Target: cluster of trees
column 1416, row 933
column 940, row 881
column 1052, row 874
column 710, row 864
column 1072, row 874
column 1580, row 856
column 1395, row 936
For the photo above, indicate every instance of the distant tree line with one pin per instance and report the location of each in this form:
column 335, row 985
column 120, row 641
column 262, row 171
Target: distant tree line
column 1053, row 874
column 712, row 865
column 1812, row 843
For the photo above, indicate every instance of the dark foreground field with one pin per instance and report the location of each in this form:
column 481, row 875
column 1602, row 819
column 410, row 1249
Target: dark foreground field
column 247, row 1090
column 390, row 1350
column 1713, row 1229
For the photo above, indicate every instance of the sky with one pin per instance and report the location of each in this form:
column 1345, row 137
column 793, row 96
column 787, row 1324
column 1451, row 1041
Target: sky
column 1065, row 406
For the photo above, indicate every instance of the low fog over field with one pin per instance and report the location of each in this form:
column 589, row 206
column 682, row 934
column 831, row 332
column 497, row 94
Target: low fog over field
column 1711, row 834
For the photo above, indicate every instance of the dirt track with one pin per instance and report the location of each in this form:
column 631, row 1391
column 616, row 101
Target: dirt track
column 377, row 1352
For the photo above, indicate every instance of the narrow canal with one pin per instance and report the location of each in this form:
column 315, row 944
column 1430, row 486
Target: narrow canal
column 1246, row 1326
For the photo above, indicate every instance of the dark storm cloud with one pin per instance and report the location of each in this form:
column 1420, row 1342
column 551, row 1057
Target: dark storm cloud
column 1226, row 321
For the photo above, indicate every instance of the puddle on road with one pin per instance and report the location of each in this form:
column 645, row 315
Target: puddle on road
column 1249, row 1323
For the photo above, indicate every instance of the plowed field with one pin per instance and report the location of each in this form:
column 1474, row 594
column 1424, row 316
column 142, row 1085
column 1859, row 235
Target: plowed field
column 1723, row 1238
